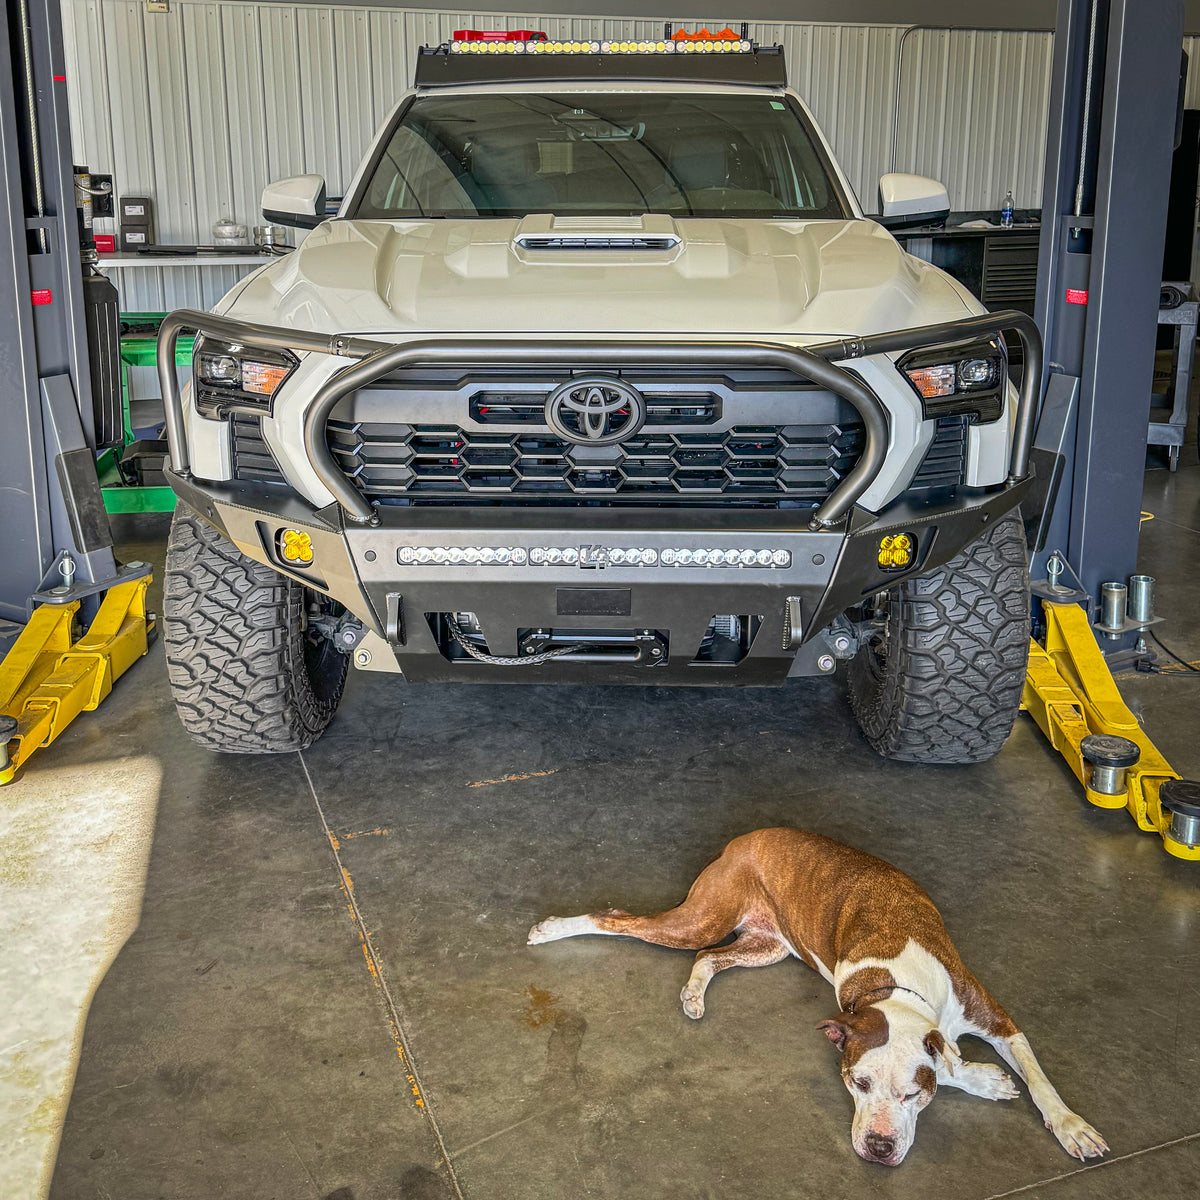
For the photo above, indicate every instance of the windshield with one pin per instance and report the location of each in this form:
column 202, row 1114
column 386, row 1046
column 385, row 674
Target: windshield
column 599, row 154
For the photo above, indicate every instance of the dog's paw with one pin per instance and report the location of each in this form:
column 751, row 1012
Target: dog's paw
column 1077, row 1137
column 543, row 931
column 552, row 929
column 994, row 1084
column 693, row 1001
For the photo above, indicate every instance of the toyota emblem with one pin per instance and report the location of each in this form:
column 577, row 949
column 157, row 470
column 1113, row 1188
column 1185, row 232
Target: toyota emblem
column 597, row 411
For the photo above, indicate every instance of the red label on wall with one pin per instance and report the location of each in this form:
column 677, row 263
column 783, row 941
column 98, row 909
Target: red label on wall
column 41, row 296
column 1077, row 295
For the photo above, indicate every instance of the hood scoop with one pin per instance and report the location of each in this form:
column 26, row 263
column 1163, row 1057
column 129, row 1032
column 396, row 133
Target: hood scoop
column 532, row 241
column 543, row 233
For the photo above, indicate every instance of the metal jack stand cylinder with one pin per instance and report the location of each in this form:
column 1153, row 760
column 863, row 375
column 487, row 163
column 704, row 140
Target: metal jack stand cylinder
column 1112, row 609
column 1141, row 598
column 1110, row 757
column 1181, row 798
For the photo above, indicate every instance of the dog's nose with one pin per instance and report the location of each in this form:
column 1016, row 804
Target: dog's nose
column 879, row 1146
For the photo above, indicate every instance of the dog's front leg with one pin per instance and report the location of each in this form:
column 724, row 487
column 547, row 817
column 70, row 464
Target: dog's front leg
column 989, row 1021
column 978, row 1079
column 1075, row 1135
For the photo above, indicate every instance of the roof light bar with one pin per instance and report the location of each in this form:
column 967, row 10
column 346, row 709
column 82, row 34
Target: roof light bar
column 713, row 45
column 530, row 56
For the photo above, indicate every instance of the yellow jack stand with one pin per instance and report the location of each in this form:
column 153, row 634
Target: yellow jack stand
column 1070, row 693
column 46, row 681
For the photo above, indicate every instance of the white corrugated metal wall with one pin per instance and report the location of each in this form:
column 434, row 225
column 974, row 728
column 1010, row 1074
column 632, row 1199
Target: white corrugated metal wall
column 201, row 106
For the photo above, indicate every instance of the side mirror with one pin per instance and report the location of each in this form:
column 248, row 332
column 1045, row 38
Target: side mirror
column 298, row 201
column 912, row 200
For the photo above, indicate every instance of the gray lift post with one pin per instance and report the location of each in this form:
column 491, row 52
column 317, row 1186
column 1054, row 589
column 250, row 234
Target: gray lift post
column 50, row 502
column 1114, row 100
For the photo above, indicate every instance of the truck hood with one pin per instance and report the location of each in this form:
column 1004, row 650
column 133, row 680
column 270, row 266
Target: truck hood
column 634, row 276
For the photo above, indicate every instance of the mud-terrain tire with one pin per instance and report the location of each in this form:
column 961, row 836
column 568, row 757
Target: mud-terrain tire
column 941, row 681
column 245, row 675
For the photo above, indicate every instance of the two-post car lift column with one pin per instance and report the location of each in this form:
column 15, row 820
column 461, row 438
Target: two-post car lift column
column 1116, row 97
column 56, row 551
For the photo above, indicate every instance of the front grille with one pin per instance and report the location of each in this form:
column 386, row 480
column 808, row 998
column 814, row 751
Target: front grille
column 752, row 436
column 252, row 457
column 792, row 465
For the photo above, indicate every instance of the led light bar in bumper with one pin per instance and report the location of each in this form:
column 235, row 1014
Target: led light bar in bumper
column 593, row 556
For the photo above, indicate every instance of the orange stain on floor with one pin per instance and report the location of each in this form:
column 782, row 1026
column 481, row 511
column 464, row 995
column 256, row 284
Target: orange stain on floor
column 541, row 1007
column 346, row 885
column 513, row 778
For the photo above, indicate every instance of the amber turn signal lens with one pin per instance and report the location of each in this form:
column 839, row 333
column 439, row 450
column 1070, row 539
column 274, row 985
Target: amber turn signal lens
column 295, row 547
column 262, row 378
column 896, row 551
column 933, row 381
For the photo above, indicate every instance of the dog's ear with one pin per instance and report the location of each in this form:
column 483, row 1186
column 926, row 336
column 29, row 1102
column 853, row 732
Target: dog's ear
column 836, row 1030
column 939, row 1048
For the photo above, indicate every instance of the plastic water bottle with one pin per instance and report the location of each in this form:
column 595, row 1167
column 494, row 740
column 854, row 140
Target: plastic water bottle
column 1006, row 211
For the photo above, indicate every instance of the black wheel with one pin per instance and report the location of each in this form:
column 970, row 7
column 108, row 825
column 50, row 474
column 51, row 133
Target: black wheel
column 940, row 678
column 249, row 671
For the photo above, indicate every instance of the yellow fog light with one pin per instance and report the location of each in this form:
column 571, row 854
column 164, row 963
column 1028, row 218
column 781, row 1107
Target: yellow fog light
column 295, row 546
column 896, row 551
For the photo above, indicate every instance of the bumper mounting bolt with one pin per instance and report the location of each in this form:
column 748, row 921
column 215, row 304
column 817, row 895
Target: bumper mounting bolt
column 825, row 662
column 362, row 657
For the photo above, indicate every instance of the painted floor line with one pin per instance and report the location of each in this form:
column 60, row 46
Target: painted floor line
column 1029, row 1187
column 375, row 968
column 499, row 1133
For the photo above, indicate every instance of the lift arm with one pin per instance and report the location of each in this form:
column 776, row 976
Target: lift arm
column 1071, row 694
column 46, row 680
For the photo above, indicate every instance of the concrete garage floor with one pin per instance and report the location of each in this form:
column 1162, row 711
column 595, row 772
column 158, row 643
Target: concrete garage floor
column 329, row 994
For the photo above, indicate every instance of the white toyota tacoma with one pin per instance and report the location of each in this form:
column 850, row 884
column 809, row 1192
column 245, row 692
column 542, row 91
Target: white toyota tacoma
column 600, row 375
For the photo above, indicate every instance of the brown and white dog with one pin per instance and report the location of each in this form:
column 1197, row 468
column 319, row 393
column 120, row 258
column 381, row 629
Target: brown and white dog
column 871, row 932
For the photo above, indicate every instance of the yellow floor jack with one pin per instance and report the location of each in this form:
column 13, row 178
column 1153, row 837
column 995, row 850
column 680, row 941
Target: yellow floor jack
column 48, row 678
column 1070, row 693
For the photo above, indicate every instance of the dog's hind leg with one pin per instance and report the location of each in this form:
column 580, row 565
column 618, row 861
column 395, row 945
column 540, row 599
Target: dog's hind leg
column 715, row 906
column 751, row 948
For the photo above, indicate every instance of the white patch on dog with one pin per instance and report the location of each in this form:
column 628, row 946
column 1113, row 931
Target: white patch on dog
column 885, row 1113
column 914, row 967
column 553, row 928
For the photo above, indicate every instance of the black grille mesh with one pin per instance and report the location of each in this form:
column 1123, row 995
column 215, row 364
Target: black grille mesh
column 765, row 466
column 755, row 464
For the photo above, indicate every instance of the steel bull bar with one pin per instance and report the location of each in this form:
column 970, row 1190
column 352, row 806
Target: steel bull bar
column 817, row 363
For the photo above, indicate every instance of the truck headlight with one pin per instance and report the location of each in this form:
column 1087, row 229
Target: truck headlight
column 965, row 378
column 229, row 375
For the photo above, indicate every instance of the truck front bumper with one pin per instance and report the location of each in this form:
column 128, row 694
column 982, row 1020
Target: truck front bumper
column 654, row 617
column 648, row 623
